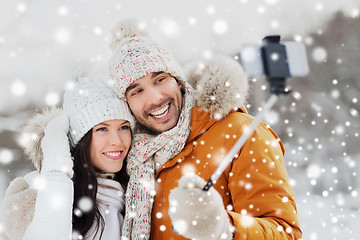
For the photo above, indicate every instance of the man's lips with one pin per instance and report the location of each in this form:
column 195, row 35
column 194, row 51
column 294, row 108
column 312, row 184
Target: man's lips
column 113, row 155
column 161, row 112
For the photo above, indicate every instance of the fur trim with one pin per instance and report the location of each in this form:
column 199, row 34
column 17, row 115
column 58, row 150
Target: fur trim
column 126, row 28
column 220, row 85
column 19, row 203
column 33, row 132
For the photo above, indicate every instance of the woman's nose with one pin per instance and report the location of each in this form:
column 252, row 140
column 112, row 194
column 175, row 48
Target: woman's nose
column 116, row 139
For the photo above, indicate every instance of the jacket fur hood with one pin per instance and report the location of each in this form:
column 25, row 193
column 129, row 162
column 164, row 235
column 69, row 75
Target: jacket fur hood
column 220, row 85
column 33, row 132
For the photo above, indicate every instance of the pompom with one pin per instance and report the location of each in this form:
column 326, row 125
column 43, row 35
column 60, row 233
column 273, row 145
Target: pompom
column 126, row 28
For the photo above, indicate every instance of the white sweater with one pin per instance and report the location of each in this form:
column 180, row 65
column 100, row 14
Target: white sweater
column 54, row 203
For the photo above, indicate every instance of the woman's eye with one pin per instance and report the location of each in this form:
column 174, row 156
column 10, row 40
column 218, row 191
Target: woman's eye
column 125, row 127
column 101, row 129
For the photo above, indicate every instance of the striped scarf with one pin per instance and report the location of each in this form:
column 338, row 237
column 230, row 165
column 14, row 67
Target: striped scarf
column 148, row 153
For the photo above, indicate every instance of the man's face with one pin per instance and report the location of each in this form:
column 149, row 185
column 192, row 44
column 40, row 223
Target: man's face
column 156, row 101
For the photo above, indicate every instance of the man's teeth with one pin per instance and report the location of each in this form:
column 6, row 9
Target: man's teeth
column 161, row 112
column 113, row 154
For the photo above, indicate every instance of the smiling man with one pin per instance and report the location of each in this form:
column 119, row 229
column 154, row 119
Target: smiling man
column 180, row 131
column 155, row 101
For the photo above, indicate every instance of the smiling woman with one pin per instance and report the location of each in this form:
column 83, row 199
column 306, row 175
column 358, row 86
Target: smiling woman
column 78, row 188
column 109, row 144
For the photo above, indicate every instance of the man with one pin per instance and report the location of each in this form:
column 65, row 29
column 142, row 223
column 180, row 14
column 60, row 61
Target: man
column 181, row 131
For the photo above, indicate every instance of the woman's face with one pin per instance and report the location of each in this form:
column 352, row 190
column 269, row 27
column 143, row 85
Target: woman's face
column 110, row 144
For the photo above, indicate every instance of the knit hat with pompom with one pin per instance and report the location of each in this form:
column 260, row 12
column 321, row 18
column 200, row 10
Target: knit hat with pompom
column 135, row 55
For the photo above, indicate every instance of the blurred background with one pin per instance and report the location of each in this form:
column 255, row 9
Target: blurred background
column 46, row 45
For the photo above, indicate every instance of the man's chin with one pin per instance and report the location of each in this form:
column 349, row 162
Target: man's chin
column 155, row 129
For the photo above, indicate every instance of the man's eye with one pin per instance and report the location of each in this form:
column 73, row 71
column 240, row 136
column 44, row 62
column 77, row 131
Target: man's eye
column 103, row 129
column 136, row 92
column 159, row 80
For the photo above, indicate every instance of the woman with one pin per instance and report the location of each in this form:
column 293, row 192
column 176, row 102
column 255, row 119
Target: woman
column 78, row 189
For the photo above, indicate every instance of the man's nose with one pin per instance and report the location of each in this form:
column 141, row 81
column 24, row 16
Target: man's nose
column 154, row 96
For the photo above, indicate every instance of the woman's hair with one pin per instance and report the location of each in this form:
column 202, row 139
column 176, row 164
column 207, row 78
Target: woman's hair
column 86, row 185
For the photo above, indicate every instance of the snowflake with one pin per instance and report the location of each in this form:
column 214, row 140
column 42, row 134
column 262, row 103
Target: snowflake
column 52, row 98
column 85, row 204
column 220, row 27
column 6, row 156
column 170, row 28
column 319, row 54
column 63, row 11
column 314, row 171
column 18, row 88
column 21, row 7
column 63, row 35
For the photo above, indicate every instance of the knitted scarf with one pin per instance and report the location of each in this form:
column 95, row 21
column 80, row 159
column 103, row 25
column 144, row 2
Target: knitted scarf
column 148, row 153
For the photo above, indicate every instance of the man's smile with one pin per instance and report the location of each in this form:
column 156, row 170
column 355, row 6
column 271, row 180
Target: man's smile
column 160, row 112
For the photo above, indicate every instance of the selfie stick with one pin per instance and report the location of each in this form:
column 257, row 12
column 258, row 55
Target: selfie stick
column 247, row 133
column 276, row 72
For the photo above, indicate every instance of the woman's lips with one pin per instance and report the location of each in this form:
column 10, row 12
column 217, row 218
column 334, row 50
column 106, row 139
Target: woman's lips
column 113, row 155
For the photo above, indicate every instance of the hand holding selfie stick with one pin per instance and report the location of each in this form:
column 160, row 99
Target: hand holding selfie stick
column 276, row 67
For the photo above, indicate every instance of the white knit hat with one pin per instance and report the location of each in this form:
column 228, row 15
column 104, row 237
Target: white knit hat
column 92, row 102
column 135, row 56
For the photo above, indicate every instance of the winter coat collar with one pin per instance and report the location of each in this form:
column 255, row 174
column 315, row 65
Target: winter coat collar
column 198, row 125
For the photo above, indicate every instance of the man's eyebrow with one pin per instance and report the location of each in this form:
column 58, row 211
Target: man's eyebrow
column 156, row 74
column 132, row 86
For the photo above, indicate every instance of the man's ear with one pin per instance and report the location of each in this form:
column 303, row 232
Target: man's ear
column 181, row 87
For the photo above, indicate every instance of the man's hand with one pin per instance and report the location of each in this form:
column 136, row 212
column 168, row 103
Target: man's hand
column 196, row 213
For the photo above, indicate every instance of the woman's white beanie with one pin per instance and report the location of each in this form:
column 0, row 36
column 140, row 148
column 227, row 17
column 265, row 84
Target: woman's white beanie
column 135, row 55
column 91, row 102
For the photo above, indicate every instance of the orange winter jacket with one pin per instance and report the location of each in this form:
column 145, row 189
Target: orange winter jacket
column 255, row 187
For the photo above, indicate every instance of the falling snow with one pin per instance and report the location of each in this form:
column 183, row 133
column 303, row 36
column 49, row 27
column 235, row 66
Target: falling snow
column 220, row 27
column 319, row 54
column 85, row 204
column 43, row 51
column 6, row 156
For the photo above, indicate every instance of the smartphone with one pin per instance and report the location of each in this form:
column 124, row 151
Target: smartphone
column 275, row 60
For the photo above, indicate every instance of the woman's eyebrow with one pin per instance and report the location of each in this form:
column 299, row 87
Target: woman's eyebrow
column 105, row 124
